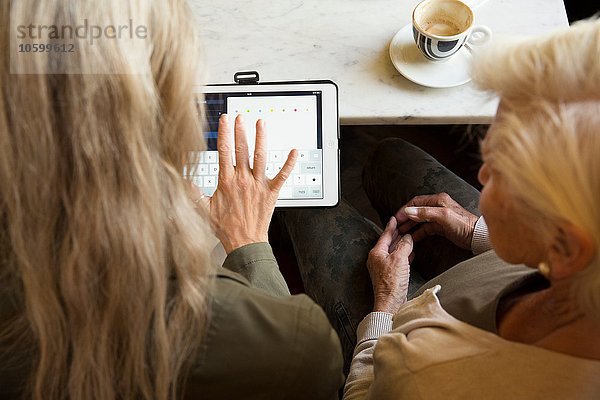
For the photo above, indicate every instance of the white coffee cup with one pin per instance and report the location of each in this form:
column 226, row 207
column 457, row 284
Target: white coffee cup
column 442, row 27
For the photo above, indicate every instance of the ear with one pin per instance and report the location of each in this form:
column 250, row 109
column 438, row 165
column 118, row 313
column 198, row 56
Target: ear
column 572, row 249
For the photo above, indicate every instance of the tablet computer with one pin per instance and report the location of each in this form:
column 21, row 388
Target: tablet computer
column 299, row 115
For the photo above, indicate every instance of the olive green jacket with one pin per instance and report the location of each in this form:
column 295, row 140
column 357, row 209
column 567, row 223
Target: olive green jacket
column 263, row 343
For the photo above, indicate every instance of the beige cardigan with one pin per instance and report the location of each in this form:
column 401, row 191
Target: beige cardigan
column 428, row 354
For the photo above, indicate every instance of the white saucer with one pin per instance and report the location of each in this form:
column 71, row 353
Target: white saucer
column 409, row 61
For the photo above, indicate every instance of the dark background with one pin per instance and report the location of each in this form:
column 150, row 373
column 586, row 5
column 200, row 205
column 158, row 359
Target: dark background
column 579, row 9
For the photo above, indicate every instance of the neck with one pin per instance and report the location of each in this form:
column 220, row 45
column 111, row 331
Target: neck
column 552, row 319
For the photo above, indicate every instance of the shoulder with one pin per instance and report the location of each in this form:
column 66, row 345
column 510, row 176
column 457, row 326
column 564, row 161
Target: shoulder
column 473, row 288
column 256, row 342
column 430, row 354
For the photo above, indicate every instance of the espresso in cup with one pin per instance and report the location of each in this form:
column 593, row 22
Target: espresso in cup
column 442, row 27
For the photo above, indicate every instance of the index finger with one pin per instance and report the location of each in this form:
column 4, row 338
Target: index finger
column 383, row 244
column 224, row 148
column 404, row 247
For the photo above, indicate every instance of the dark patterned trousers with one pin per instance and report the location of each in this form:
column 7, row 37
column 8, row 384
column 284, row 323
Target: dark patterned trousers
column 331, row 245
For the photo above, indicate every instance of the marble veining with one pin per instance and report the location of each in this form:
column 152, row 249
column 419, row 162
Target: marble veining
column 347, row 41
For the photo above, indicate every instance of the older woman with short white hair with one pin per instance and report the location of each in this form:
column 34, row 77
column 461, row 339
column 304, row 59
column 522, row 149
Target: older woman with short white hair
column 540, row 282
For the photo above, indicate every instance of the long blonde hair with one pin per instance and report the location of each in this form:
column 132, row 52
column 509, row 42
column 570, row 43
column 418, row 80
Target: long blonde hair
column 546, row 144
column 101, row 251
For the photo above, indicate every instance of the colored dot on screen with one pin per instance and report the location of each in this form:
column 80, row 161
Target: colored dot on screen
column 259, row 110
column 271, row 110
column 295, row 109
column 247, row 111
column 283, row 110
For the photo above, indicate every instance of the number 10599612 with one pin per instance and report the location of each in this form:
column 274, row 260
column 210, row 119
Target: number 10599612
column 46, row 48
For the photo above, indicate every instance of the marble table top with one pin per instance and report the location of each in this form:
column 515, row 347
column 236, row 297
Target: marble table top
column 347, row 41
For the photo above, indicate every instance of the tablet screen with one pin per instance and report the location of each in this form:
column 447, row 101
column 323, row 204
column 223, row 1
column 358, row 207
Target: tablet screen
column 292, row 120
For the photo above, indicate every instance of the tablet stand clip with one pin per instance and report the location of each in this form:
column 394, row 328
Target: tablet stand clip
column 246, row 77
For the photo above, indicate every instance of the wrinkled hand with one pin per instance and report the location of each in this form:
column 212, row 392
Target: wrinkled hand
column 437, row 214
column 389, row 268
column 242, row 206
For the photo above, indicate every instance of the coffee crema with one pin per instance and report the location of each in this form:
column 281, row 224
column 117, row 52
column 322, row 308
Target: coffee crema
column 441, row 27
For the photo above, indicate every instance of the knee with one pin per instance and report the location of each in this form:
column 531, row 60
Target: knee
column 392, row 153
column 395, row 148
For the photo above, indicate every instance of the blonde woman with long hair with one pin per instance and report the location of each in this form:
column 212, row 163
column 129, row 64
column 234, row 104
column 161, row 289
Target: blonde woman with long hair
column 107, row 287
column 521, row 320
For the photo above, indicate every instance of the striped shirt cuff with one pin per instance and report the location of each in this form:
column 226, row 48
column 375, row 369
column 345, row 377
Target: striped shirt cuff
column 481, row 240
column 374, row 325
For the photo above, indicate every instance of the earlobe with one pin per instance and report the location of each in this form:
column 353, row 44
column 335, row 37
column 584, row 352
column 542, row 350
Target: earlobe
column 483, row 174
column 571, row 251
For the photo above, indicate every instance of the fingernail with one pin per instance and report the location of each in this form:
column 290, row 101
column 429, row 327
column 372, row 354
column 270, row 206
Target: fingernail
column 222, row 117
column 411, row 211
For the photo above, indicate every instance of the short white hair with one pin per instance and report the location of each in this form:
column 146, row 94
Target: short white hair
column 547, row 142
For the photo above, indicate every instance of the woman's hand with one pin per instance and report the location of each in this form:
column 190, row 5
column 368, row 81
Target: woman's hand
column 389, row 268
column 437, row 214
column 242, row 206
